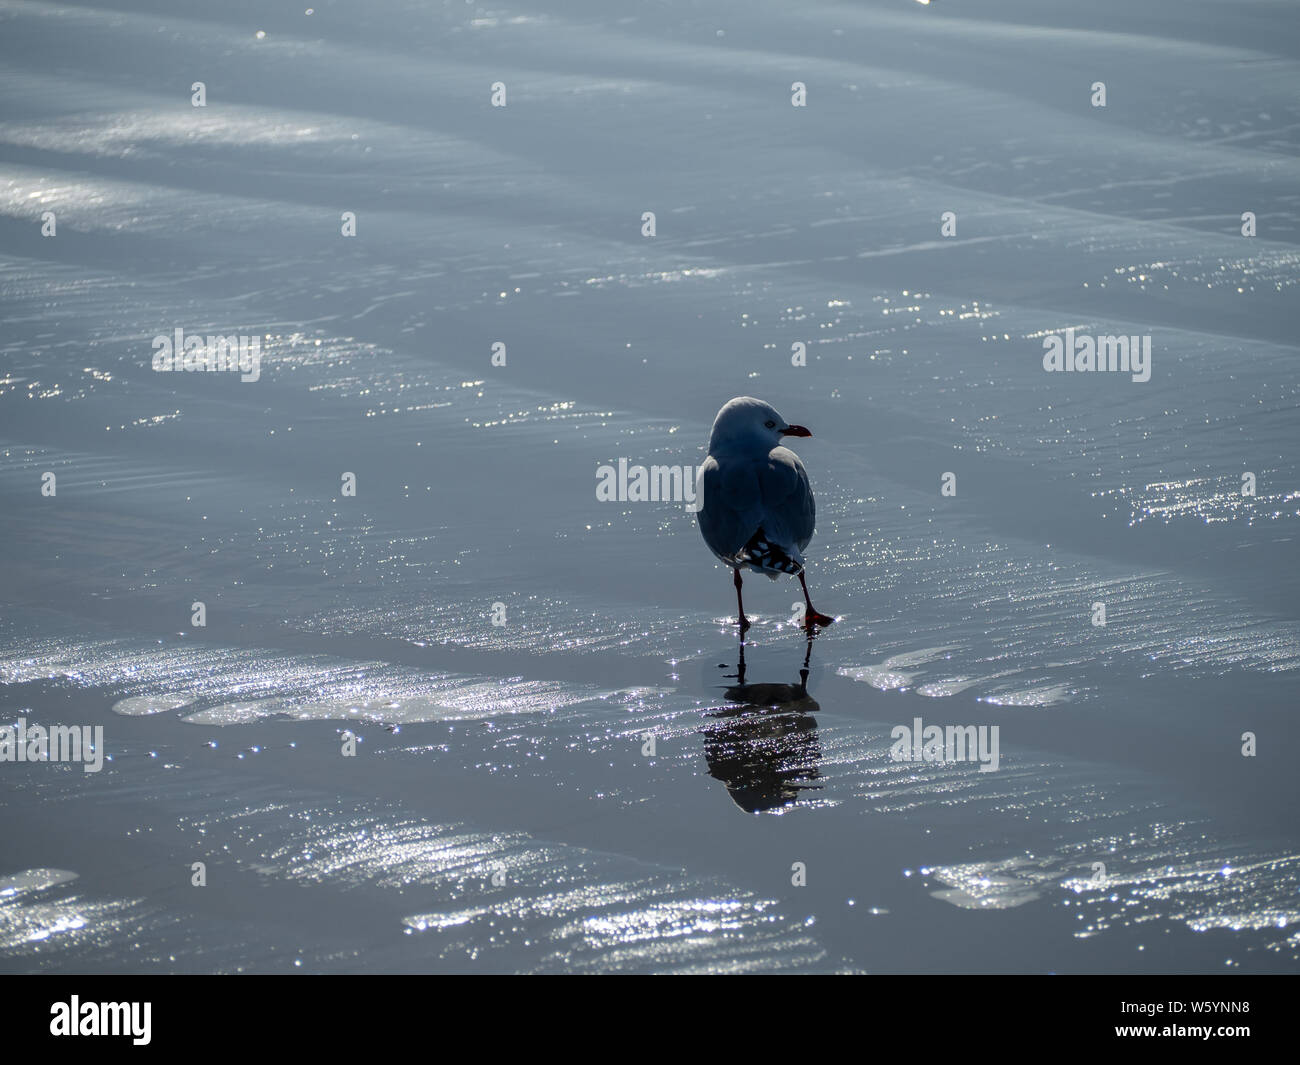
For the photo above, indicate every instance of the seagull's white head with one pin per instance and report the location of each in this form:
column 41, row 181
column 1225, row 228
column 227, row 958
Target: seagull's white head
column 748, row 424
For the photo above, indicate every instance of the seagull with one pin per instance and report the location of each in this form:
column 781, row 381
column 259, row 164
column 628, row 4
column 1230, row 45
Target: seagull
column 757, row 509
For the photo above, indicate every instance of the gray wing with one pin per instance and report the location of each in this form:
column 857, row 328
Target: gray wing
column 741, row 496
column 790, row 512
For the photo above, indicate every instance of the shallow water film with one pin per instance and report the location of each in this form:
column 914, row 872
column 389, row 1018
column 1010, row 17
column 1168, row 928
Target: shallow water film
column 358, row 369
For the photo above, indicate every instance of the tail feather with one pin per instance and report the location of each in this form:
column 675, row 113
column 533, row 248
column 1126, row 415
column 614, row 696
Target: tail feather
column 772, row 559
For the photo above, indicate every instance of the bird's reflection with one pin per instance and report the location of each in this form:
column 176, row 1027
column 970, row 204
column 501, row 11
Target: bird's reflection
column 766, row 750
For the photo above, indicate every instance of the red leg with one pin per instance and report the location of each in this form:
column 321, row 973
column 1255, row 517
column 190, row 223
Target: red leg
column 740, row 606
column 811, row 617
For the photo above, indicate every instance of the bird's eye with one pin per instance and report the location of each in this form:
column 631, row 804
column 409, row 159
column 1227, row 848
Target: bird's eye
column 770, row 425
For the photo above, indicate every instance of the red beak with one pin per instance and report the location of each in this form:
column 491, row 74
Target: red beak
column 795, row 430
